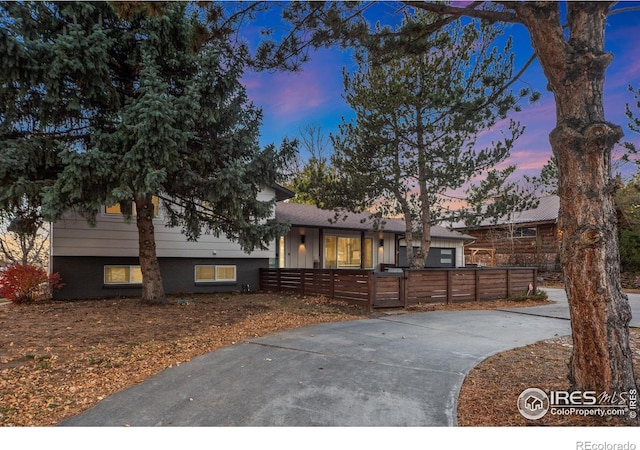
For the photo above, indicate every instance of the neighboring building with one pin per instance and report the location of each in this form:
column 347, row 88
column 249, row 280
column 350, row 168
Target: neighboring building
column 526, row 238
column 102, row 261
column 318, row 239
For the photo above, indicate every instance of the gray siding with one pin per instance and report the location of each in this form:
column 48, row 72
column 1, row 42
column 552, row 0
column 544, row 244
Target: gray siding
column 304, row 256
column 113, row 237
column 84, row 275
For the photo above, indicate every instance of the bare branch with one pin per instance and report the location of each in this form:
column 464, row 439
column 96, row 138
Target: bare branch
column 624, row 10
column 470, row 11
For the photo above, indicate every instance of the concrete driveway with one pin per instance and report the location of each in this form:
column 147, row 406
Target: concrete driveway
column 395, row 370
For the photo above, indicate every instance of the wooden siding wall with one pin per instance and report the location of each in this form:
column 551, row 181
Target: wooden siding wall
column 412, row 287
column 540, row 251
column 113, row 237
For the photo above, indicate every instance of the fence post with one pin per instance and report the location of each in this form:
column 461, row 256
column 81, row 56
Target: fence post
column 509, row 288
column 371, row 281
column 477, row 286
column 402, row 289
column 449, row 286
column 332, row 283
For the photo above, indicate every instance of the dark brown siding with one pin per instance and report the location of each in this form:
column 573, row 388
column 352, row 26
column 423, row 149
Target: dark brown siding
column 541, row 251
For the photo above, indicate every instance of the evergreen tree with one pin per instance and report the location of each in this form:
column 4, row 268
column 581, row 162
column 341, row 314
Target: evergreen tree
column 106, row 103
column 418, row 116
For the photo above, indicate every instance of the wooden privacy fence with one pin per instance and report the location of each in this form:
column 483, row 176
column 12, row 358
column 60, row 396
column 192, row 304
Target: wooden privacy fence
column 402, row 289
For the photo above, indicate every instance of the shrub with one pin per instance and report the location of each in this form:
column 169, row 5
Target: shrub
column 538, row 295
column 25, row 283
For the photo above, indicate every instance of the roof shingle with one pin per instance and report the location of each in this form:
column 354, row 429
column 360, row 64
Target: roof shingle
column 303, row 215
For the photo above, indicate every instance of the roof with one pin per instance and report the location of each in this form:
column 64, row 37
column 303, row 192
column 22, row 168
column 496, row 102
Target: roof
column 546, row 211
column 282, row 193
column 302, row 215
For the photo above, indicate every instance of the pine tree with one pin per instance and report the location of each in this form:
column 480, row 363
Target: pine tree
column 418, row 116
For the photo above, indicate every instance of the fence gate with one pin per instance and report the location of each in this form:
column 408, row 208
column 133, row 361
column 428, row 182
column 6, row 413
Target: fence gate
column 388, row 290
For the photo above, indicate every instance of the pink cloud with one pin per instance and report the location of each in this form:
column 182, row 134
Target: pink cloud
column 287, row 97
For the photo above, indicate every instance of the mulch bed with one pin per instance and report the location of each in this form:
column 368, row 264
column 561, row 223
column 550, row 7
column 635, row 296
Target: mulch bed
column 58, row 359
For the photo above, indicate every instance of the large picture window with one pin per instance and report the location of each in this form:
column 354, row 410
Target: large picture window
column 348, row 252
column 122, row 275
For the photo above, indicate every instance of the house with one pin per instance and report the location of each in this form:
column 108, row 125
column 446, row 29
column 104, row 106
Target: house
column 102, row 261
column 526, row 238
column 320, row 239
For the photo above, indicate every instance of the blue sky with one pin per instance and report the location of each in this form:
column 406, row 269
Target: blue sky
column 313, row 96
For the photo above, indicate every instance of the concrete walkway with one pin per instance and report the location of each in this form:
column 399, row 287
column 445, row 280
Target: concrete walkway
column 395, row 370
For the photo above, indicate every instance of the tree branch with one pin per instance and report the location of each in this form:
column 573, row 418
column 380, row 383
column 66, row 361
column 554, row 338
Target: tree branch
column 470, row 11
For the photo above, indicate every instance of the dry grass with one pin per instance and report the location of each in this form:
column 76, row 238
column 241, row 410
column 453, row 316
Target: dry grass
column 58, row 359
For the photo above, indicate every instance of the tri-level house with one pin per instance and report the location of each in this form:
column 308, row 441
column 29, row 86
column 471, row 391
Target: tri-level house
column 102, row 260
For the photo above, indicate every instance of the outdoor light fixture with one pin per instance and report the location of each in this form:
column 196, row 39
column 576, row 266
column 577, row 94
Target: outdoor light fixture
column 302, row 236
column 381, row 242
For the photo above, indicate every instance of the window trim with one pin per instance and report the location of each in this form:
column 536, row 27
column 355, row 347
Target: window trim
column 131, row 268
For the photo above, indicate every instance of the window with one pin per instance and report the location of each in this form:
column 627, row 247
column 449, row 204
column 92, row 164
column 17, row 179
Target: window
column 525, row 232
column 122, row 275
column 116, row 210
column 368, row 253
column 212, row 274
column 446, row 256
column 346, row 252
column 281, row 252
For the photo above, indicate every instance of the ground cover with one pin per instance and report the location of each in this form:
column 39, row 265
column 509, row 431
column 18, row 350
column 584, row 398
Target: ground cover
column 58, row 359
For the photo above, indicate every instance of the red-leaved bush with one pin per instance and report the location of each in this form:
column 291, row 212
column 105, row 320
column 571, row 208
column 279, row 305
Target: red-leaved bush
column 24, row 283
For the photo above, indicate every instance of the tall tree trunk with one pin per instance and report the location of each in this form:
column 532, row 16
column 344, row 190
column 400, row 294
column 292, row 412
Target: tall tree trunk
column 582, row 143
column 152, row 287
column 408, row 228
column 425, row 204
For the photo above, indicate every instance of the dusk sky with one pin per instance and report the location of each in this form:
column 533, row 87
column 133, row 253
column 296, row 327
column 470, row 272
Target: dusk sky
column 314, row 96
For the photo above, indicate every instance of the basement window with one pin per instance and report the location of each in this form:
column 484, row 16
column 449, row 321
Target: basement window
column 214, row 273
column 122, row 275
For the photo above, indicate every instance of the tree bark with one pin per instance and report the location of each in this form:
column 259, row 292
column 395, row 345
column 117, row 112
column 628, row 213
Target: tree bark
column 152, row 286
column 582, row 142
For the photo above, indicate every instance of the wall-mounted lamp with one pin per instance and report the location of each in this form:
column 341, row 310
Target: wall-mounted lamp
column 381, row 242
column 302, row 239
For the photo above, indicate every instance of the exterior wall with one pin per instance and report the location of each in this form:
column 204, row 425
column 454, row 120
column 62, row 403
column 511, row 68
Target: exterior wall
column 308, row 255
column 79, row 253
column 541, row 251
column 458, row 245
column 112, row 237
column 84, row 275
